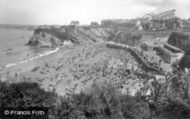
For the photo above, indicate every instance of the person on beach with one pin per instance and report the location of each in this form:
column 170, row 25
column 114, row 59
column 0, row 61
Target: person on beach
column 27, row 55
column 160, row 62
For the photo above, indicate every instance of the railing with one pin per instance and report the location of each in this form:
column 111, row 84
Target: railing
column 145, row 62
column 131, row 49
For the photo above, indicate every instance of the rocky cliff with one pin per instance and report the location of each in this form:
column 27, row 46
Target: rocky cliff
column 96, row 34
column 128, row 38
column 45, row 37
column 182, row 41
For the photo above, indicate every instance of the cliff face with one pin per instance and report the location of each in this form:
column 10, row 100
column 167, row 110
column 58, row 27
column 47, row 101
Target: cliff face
column 96, row 34
column 128, row 38
column 56, row 37
column 44, row 39
column 182, row 41
column 50, row 38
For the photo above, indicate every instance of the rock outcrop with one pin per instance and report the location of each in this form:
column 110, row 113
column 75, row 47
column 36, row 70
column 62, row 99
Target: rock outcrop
column 182, row 41
column 96, row 34
column 56, row 37
column 44, row 37
column 127, row 38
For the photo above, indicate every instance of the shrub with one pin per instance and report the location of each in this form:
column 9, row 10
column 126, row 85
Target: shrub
column 25, row 94
column 171, row 99
column 104, row 102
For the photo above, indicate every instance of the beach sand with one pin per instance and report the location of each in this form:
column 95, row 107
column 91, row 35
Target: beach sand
column 76, row 68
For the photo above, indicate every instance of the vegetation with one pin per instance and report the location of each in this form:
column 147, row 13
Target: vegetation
column 24, row 94
column 181, row 41
column 103, row 102
column 127, row 38
column 94, row 24
column 168, row 99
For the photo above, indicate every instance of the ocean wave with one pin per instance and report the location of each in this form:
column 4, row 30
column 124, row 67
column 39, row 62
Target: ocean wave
column 36, row 57
column 10, row 65
column 47, row 53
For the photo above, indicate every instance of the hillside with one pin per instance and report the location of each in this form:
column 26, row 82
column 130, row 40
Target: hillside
column 46, row 37
column 128, row 38
column 182, row 41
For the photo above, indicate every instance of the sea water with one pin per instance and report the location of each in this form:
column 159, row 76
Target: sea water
column 14, row 51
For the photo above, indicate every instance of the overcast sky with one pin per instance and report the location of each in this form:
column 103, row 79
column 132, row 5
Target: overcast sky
column 60, row 12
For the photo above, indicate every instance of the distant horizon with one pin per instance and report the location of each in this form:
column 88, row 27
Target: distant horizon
column 62, row 12
column 55, row 24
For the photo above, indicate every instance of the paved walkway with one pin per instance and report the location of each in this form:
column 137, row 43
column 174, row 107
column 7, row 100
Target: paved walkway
column 135, row 53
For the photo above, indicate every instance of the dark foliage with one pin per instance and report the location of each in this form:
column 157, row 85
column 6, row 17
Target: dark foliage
column 181, row 41
column 170, row 99
column 103, row 103
column 185, row 62
column 24, row 94
column 94, row 24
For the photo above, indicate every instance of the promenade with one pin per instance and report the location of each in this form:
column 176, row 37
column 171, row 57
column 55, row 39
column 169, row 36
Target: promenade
column 137, row 54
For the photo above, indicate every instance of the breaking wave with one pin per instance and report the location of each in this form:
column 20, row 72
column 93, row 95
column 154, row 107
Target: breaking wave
column 36, row 57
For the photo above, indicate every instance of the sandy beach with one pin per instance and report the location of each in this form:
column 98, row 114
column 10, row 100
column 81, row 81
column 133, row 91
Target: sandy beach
column 77, row 68
column 74, row 68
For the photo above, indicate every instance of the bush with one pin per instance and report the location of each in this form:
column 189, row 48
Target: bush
column 104, row 102
column 25, row 94
column 182, row 41
column 169, row 99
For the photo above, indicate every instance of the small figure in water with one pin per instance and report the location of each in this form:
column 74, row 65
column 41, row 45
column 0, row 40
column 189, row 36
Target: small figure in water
column 28, row 57
column 160, row 61
column 15, row 74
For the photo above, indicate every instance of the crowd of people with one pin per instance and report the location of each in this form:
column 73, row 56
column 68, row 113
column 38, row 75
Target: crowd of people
column 148, row 61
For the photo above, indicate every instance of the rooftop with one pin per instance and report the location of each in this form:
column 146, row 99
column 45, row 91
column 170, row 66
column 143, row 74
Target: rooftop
column 165, row 50
column 173, row 47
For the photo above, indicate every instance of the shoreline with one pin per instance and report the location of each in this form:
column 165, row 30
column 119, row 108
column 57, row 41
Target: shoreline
column 29, row 64
column 30, row 59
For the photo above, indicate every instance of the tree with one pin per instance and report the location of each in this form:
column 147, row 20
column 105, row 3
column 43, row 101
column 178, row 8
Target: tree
column 170, row 98
column 188, row 20
column 94, row 24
